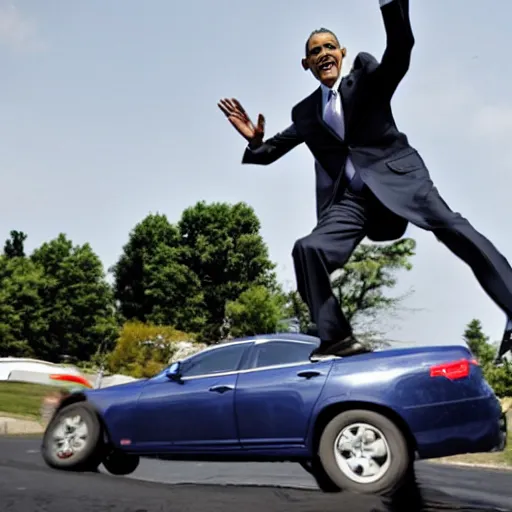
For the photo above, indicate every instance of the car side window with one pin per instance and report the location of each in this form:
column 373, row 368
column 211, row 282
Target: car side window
column 219, row 360
column 275, row 353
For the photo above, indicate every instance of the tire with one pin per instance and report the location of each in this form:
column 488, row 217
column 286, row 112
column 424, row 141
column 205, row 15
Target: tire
column 83, row 457
column 119, row 463
column 315, row 469
column 395, row 467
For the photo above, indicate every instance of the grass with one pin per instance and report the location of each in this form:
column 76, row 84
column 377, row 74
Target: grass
column 23, row 399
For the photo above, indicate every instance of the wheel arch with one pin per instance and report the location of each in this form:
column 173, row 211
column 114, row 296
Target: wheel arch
column 332, row 410
column 72, row 398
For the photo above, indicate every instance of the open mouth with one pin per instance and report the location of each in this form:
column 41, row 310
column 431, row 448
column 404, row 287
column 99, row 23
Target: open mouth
column 327, row 66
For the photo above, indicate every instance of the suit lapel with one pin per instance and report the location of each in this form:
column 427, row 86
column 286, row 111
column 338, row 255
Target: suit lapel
column 346, row 90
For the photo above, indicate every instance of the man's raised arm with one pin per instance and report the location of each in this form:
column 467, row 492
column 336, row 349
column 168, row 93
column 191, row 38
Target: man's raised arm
column 258, row 151
column 399, row 43
column 274, row 148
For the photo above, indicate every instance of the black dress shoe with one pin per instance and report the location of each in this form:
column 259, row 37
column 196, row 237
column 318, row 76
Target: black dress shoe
column 343, row 349
column 312, row 330
column 321, row 351
column 349, row 346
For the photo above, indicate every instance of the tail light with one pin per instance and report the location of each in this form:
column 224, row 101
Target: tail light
column 453, row 370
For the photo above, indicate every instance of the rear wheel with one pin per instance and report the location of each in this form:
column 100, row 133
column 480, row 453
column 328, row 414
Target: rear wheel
column 119, row 463
column 73, row 439
column 365, row 452
column 315, row 469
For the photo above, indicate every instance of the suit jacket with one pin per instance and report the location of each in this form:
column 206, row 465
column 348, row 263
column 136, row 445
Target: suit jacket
column 389, row 166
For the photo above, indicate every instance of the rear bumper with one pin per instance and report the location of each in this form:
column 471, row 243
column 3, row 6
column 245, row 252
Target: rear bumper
column 468, row 426
column 503, row 428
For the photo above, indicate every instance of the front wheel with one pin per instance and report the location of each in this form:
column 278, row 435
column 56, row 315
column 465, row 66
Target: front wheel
column 365, row 452
column 73, row 439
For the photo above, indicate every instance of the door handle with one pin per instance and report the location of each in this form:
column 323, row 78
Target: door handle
column 308, row 374
column 221, row 388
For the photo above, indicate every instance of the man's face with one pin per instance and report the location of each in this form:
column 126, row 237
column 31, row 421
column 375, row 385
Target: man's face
column 324, row 58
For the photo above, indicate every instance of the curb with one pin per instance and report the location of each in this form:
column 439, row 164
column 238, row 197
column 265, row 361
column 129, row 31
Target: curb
column 9, row 426
column 501, row 467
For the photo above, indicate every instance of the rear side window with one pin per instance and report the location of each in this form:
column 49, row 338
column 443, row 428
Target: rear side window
column 274, row 353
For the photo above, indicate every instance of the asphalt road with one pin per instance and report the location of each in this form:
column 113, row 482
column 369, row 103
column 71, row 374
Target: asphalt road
column 27, row 485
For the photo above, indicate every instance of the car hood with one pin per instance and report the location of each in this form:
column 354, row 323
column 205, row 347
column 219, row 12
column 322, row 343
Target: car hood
column 123, row 388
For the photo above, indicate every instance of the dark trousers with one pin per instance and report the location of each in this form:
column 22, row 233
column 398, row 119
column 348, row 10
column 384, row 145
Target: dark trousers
column 343, row 227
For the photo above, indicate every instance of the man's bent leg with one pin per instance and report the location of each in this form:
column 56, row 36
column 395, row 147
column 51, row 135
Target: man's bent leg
column 322, row 252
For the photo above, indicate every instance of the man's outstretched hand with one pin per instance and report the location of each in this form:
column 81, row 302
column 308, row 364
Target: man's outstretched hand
column 238, row 117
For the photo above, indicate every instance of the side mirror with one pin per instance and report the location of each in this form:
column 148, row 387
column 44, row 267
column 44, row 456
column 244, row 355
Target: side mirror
column 173, row 371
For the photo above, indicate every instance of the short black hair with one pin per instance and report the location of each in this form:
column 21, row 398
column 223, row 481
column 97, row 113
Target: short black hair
column 320, row 30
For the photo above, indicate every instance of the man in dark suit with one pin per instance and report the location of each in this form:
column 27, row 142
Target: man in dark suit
column 369, row 180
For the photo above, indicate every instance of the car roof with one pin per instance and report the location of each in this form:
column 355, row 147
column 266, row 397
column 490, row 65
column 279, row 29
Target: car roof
column 284, row 336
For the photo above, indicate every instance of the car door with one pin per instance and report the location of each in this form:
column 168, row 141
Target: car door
column 276, row 395
column 197, row 411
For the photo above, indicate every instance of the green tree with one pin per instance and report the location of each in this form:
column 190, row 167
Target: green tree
column 152, row 283
column 371, row 271
column 22, row 324
column 184, row 275
column 15, row 246
column 478, row 343
column 498, row 377
column 174, row 291
column 256, row 311
column 77, row 302
column 129, row 272
column 224, row 248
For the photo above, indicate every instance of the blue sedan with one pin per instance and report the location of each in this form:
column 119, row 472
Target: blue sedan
column 355, row 423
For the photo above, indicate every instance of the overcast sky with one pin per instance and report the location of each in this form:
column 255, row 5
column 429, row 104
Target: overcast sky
column 108, row 112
